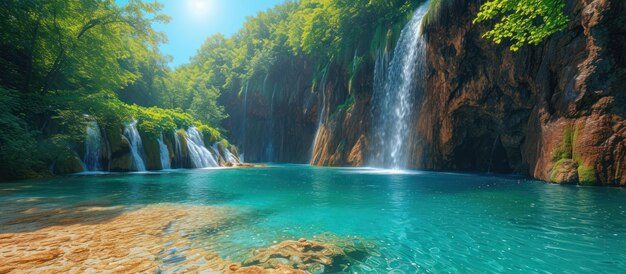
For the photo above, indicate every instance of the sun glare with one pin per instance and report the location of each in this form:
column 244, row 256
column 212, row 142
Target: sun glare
column 199, row 8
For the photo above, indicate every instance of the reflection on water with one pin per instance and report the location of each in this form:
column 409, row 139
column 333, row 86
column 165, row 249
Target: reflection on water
column 417, row 221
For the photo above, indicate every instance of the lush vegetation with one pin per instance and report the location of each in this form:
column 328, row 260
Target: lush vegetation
column 66, row 63
column 318, row 31
column 523, row 22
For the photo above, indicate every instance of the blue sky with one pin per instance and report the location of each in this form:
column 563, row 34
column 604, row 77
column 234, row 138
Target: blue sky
column 195, row 20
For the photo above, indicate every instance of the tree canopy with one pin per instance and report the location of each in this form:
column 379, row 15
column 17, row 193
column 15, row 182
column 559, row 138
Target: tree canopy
column 522, row 22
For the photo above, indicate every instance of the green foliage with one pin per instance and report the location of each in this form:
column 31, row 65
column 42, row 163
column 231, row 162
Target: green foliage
column 347, row 104
column 18, row 147
column 64, row 64
column 523, row 21
column 587, row 175
column 210, row 135
column 434, row 10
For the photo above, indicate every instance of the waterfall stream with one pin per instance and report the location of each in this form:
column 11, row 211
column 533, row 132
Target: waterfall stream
column 269, row 151
column 131, row 134
column 245, row 121
column 200, row 156
column 93, row 149
column 394, row 98
column 322, row 107
column 164, row 154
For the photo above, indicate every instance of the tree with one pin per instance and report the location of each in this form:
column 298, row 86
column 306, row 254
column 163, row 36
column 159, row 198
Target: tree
column 522, row 21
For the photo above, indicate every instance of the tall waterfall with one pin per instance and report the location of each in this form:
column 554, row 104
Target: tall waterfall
column 131, row 134
column 245, row 120
column 200, row 156
column 322, row 108
column 269, row 150
column 178, row 151
column 93, row 149
column 394, row 99
column 164, row 154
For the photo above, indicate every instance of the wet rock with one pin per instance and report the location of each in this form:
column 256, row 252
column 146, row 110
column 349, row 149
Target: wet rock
column 301, row 254
column 565, row 172
column 487, row 108
column 68, row 165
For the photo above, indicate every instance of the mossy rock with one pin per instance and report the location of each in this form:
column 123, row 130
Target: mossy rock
column 587, row 175
column 565, row 150
column 184, row 162
column 68, row 165
column 168, row 140
column 153, row 153
column 122, row 164
column 234, row 150
column 116, row 142
column 565, row 172
column 121, row 159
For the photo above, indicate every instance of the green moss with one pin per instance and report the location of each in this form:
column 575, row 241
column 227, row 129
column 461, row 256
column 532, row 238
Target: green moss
column 574, row 137
column 182, row 137
column 587, row 175
column 210, row 135
column 354, row 68
column 433, row 13
column 68, row 165
column 618, row 169
column 555, row 169
column 565, row 150
column 153, row 153
column 345, row 106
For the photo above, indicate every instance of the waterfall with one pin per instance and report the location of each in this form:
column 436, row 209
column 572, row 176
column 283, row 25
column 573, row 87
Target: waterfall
column 200, row 156
column 394, row 99
column 93, row 150
column 245, row 120
column 131, row 134
column 178, row 151
column 269, row 151
column 164, row 154
column 228, row 156
column 320, row 121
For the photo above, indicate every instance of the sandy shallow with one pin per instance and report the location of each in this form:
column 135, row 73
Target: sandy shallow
column 109, row 239
column 154, row 238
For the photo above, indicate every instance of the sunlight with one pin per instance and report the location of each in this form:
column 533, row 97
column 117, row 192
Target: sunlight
column 199, row 8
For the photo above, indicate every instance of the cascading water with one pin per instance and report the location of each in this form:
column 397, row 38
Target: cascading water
column 93, row 149
column 131, row 134
column 178, row 151
column 320, row 121
column 269, row 151
column 228, row 156
column 245, row 121
column 200, row 156
column 394, row 99
column 164, row 154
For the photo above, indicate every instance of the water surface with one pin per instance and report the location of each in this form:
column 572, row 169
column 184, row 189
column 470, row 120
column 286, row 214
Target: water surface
column 417, row 221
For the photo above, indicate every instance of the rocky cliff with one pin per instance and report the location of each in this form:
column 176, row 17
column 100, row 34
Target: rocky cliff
column 553, row 111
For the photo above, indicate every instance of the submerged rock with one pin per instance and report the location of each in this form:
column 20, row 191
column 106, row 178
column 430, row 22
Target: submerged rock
column 328, row 253
column 304, row 255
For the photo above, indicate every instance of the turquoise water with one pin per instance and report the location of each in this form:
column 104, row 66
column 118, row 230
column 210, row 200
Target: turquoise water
column 417, row 221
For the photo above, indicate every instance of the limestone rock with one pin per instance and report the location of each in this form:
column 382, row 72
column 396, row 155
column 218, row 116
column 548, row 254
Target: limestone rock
column 565, row 172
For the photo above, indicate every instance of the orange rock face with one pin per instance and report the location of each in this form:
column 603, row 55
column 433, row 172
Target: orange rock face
column 489, row 109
